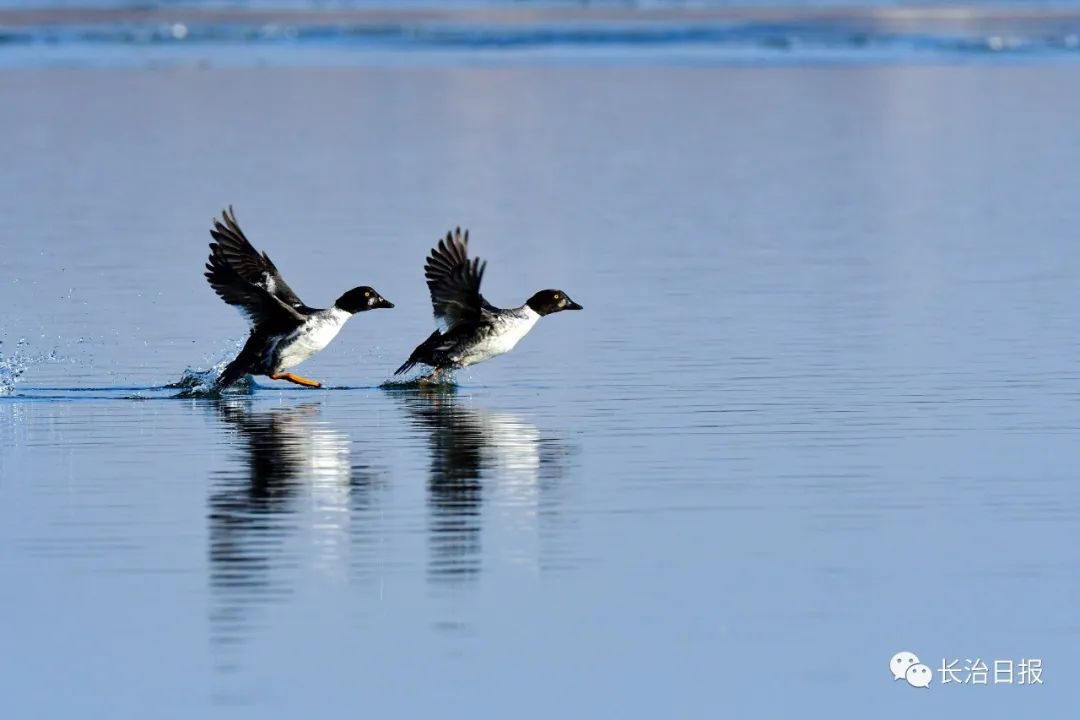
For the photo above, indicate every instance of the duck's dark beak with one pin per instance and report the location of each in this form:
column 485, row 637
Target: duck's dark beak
column 572, row 306
column 383, row 303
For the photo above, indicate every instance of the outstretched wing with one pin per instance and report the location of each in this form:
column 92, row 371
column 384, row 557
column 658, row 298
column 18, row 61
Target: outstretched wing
column 265, row 309
column 247, row 262
column 454, row 281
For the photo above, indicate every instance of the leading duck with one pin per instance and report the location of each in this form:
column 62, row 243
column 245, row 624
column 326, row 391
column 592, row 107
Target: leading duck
column 284, row 331
column 472, row 330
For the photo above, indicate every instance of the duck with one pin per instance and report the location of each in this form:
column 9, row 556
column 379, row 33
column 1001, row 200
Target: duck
column 284, row 331
column 472, row 330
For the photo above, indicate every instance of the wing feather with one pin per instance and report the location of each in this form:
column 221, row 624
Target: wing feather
column 243, row 278
column 454, row 281
column 251, row 265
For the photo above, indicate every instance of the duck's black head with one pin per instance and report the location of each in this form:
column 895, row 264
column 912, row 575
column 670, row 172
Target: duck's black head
column 360, row 299
column 546, row 302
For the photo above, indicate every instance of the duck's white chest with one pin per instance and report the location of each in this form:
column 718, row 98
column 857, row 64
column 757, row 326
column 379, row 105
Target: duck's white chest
column 507, row 333
column 309, row 338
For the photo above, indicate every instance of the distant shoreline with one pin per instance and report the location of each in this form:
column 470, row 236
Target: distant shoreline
column 914, row 18
column 697, row 35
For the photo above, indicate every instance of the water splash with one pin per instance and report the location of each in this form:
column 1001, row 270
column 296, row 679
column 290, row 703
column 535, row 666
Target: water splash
column 11, row 369
column 196, row 383
column 446, row 381
column 14, row 363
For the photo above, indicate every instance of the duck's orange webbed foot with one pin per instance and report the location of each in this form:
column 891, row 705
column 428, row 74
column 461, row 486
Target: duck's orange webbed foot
column 306, row 382
column 428, row 379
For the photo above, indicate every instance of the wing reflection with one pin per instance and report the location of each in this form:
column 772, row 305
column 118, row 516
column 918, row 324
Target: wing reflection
column 470, row 446
column 298, row 483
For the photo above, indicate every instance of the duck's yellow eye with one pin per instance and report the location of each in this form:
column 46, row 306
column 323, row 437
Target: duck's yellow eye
column 367, row 294
column 556, row 296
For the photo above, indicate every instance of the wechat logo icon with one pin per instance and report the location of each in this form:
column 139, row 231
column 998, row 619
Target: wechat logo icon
column 906, row 666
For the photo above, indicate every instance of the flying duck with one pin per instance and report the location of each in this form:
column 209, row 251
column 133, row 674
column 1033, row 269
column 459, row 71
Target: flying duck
column 284, row 331
column 472, row 329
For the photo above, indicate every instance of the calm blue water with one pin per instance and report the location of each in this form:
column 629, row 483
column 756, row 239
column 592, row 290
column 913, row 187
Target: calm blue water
column 821, row 405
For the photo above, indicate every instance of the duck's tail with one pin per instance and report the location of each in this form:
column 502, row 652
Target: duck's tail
column 235, row 370
column 419, row 355
column 243, row 363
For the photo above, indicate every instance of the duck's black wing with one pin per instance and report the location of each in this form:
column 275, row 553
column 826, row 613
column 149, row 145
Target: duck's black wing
column 242, row 277
column 454, row 282
column 234, row 249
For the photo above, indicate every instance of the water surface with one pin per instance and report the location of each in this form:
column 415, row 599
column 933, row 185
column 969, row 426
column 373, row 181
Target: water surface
column 820, row 407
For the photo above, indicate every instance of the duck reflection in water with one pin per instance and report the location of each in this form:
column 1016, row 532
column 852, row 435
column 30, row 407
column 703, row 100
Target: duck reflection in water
column 297, row 483
column 480, row 456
